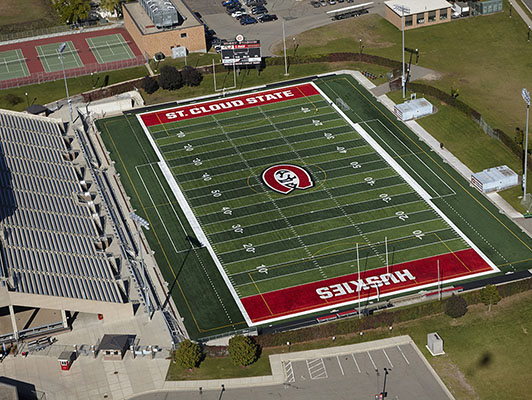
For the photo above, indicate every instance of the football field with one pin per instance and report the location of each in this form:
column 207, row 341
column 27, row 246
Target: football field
column 283, row 189
column 296, row 200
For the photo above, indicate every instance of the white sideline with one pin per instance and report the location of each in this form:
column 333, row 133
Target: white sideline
column 194, row 223
column 400, row 170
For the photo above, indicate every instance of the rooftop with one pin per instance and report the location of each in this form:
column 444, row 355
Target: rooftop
column 146, row 25
column 417, row 6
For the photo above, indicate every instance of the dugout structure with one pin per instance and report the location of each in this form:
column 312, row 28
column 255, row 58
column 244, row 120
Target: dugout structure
column 152, row 37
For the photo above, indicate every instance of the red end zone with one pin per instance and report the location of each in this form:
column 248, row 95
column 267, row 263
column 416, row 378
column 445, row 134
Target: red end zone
column 228, row 104
column 343, row 289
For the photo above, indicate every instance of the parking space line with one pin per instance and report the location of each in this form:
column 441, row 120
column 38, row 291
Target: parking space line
column 374, row 366
column 388, row 358
column 316, row 369
column 355, row 360
column 340, row 365
column 289, row 372
column 406, row 359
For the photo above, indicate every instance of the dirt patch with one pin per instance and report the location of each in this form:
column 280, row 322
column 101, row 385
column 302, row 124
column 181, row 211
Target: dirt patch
column 456, row 380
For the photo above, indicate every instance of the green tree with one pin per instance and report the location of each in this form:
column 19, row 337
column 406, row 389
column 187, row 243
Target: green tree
column 243, row 350
column 455, row 306
column 188, row 354
column 490, row 295
column 113, row 6
column 150, row 84
column 72, row 11
column 170, row 78
column 191, row 76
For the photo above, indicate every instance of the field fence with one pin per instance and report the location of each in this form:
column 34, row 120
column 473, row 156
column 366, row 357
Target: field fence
column 488, row 129
column 70, row 73
column 55, row 30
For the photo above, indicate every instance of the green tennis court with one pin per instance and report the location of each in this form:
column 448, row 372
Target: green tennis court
column 49, row 56
column 110, row 48
column 12, row 65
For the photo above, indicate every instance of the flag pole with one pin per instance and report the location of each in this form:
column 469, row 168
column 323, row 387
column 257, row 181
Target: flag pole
column 358, row 287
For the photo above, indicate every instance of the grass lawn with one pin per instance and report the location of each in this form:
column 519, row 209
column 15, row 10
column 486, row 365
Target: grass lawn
column 249, row 79
column 486, row 353
column 221, row 368
column 23, row 15
column 51, row 91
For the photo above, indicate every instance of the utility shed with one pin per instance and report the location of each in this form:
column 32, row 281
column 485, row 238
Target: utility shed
column 413, row 109
column 492, row 179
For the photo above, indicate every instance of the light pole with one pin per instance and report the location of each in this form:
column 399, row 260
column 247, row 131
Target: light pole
column 61, row 57
column 526, row 98
column 92, row 79
column 528, row 35
column 361, row 47
column 403, row 10
column 383, row 393
column 142, row 223
column 284, row 50
column 27, row 101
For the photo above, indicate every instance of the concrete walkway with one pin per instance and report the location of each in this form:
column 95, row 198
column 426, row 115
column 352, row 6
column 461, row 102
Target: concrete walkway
column 416, row 72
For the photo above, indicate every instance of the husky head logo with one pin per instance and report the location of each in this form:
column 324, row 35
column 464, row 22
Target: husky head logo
column 286, row 177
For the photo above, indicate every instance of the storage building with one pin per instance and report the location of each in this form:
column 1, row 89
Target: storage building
column 492, row 179
column 418, row 13
column 411, row 109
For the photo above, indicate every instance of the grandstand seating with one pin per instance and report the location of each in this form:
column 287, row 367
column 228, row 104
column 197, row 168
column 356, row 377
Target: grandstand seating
column 47, row 235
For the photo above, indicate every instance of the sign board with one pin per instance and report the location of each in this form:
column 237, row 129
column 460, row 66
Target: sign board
column 241, row 53
column 179, row 52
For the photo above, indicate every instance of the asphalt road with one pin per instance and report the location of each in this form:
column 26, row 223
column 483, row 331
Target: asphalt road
column 299, row 16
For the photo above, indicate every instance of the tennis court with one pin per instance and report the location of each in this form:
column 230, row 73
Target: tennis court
column 12, row 65
column 110, row 48
column 49, row 56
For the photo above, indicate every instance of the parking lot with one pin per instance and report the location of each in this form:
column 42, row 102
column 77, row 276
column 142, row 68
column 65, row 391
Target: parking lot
column 299, row 16
column 407, row 376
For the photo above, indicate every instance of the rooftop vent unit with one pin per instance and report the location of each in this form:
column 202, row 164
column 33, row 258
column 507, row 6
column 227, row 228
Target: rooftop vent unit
column 162, row 12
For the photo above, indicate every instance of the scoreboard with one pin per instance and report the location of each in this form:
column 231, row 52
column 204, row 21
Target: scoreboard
column 241, row 53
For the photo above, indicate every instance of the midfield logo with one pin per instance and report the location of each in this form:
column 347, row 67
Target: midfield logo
column 285, row 178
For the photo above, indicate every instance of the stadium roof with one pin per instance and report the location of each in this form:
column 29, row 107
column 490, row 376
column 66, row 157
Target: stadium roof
column 47, row 235
column 417, row 6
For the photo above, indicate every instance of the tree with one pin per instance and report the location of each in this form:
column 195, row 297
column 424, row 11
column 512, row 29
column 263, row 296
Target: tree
column 113, row 6
column 72, row 11
column 490, row 295
column 455, row 306
column 243, row 350
column 191, row 76
column 188, row 354
column 150, row 84
column 170, row 78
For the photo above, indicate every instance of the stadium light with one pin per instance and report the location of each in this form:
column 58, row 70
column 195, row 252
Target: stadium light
column 526, row 97
column 284, row 50
column 62, row 47
column 403, row 9
column 142, row 223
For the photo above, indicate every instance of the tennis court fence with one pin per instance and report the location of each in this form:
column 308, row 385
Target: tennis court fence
column 72, row 72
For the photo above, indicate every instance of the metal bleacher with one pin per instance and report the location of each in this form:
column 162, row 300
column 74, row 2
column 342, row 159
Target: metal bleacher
column 47, row 235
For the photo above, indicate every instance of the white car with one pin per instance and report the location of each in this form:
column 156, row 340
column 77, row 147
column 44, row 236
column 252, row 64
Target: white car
column 237, row 14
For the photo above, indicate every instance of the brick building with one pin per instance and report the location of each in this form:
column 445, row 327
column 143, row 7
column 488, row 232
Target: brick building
column 186, row 31
column 421, row 13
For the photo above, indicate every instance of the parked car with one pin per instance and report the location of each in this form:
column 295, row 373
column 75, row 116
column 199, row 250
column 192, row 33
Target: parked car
column 315, row 4
column 238, row 13
column 323, row 3
column 229, row 2
column 267, row 17
column 234, row 9
column 252, row 3
column 332, row 2
column 259, row 10
column 241, row 16
column 248, row 21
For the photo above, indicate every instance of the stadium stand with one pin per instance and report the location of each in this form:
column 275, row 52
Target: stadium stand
column 53, row 249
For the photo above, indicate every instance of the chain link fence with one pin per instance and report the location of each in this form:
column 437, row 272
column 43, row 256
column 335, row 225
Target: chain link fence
column 74, row 72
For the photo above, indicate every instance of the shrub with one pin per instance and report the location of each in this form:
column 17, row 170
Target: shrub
column 188, row 354
column 191, row 76
column 150, row 84
column 243, row 350
column 170, row 78
column 13, row 99
column 455, row 306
